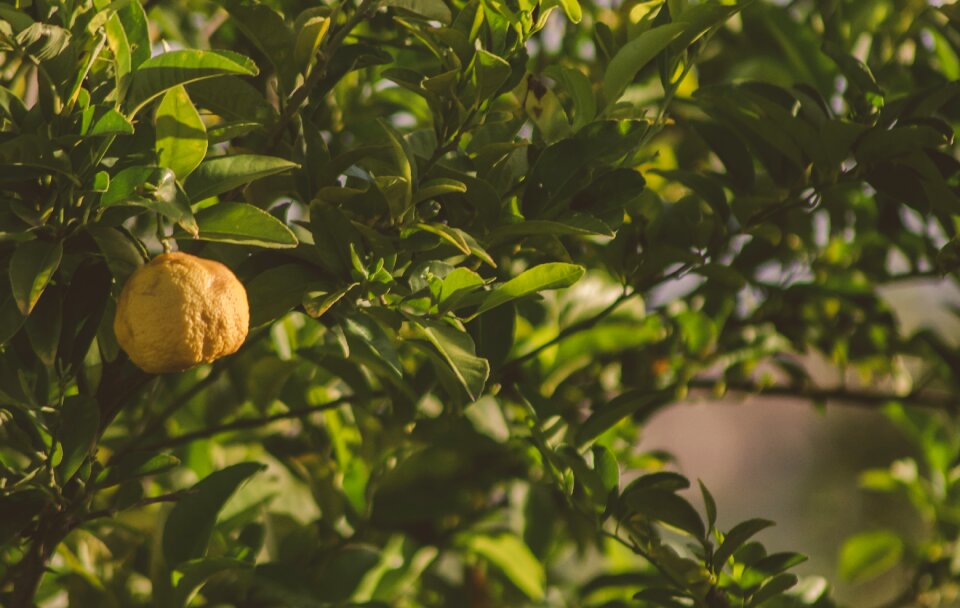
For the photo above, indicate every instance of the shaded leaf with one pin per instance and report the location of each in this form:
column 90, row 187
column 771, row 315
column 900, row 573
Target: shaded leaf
column 78, row 432
column 167, row 70
column 190, row 523
column 31, row 268
column 736, row 537
column 457, row 349
column 869, row 554
column 514, row 558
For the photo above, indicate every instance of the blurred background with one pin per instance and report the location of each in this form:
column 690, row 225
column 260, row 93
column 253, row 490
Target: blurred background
column 785, row 459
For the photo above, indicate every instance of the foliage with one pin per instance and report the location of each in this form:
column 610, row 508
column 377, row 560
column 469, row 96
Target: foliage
column 483, row 241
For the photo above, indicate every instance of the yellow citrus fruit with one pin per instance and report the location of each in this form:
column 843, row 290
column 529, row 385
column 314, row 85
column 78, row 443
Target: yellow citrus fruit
column 179, row 311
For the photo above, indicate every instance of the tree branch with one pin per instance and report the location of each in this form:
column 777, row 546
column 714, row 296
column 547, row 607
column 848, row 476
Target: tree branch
column 586, row 324
column 152, row 500
column 247, row 423
column 570, row 330
column 868, row 398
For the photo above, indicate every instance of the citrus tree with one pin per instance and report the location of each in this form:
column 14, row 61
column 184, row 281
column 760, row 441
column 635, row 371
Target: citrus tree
column 480, row 241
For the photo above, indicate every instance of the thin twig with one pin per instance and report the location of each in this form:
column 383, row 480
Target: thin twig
column 570, row 330
column 592, row 321
column 645, row 555
column 247, row 423
column 158, row 420
column 151, row 500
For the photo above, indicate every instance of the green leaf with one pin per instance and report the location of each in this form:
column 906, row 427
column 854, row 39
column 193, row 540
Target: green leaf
column 181, row 134
column 344, row 573
column 317, row 302
column 30, row 150
column 492, row 72
column 453, row 236
column 578, row 225
column 514, row 558
column 736, row 537
column 457, row 284
column 111, row 122
column 880, row 144
column 232, row 98
column 661, row 480
column 243, row 224
column 332, row 236
column 309, row 37
column 572, row 10
column 546, row 111
column 579, row 88
column 193, row 574
column 190, row 524
column 664, row 506
column 119, row 250
column 406, row 165
column 11, row 106
column 215, row 176
column 154, row 188
column 636, row 54
column 77, row 433
column 438, row 187
column 731, row 151
column 277, row 290
column 709, row 505
column 769, row 566
column 457, row 349
column 869, row 554
column 554, row 275
column 122, row 57
column 268, row 31
column 11, row 319
column 606, row 466
column 494, row 332
column 31, row 268
column 225, row 131
column 660, row 596
column 855, row 70
column 43, row 326
column 134, row 21
column 20, row 507
column 370, row 343
column 774, row 587
column 722, row 275
column 167, row 70
column 431, row 9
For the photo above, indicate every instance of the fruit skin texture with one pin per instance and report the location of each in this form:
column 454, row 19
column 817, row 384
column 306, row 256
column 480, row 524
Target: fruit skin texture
column 179, row 311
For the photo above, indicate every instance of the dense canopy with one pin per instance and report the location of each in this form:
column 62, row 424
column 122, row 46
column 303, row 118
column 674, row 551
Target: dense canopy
column 483, row 242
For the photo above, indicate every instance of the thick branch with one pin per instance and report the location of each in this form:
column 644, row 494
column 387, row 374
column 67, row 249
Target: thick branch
column 868, row 398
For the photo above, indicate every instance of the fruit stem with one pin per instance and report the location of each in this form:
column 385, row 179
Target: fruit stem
column 163, row 238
